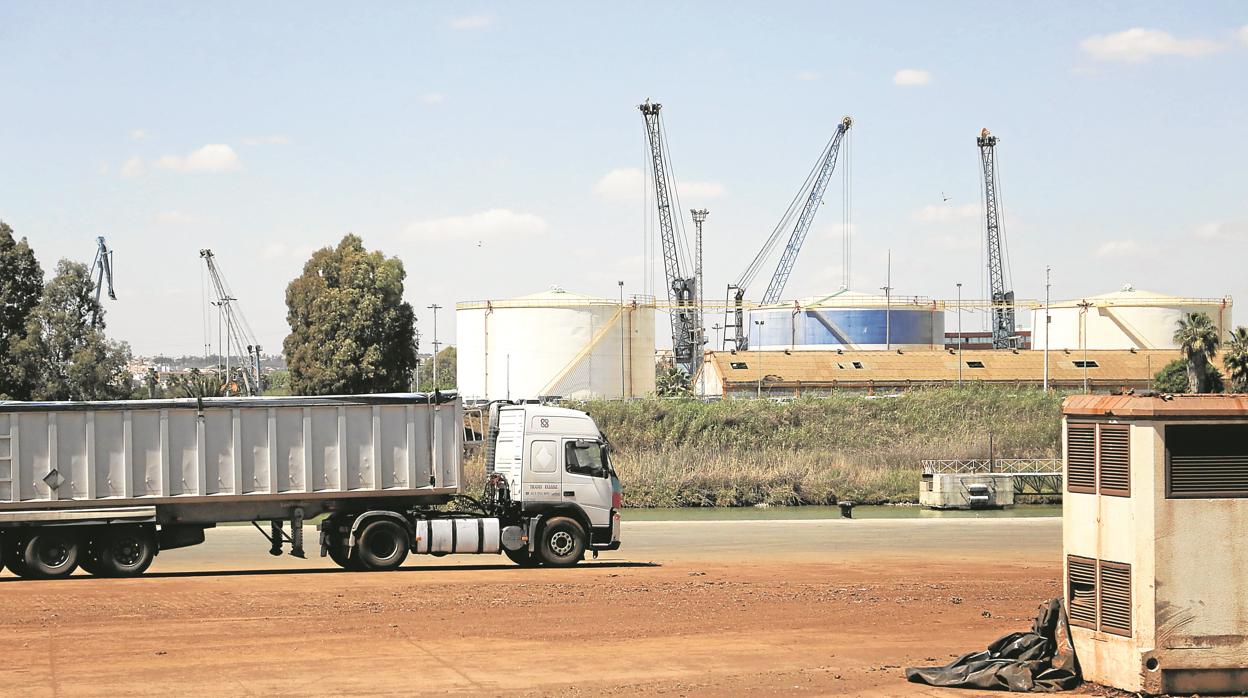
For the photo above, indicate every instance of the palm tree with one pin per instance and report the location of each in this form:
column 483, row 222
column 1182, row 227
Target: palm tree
column 1198, row 339
column 1236, row 359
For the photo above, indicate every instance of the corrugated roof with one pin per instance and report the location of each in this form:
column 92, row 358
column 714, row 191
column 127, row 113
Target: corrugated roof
column 810, row 368
column 1165, row 406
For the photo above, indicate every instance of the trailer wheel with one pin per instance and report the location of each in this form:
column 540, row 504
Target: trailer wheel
column 338, row 553
column 522, row 557
column 50, row 554
column 562, row 543
column 89, row 559
column 126, row 552
column 13, row 556
column 383, row 545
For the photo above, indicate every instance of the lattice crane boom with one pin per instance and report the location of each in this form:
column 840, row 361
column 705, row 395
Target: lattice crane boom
column 681, row 288
column 1003, row 332
column 102, row 273
column 237, row 331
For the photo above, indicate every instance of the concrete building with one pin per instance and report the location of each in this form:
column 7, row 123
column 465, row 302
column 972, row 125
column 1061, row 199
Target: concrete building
column 1126, row 319
column 847, row 320
column 791, row 373
column 555, row 344
column 1154, row 535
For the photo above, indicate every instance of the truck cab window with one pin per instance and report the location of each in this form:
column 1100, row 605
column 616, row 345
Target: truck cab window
column 585, row 458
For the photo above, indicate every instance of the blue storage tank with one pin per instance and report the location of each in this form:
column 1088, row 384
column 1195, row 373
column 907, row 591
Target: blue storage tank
column 848, row 320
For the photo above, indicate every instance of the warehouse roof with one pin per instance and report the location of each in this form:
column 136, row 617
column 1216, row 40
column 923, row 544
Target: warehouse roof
column 902, row 367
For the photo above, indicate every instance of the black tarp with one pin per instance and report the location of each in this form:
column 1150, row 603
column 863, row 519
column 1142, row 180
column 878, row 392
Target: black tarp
column 1042, row 660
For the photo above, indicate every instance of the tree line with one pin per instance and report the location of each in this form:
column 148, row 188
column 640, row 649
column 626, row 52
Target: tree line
column 1199, row 340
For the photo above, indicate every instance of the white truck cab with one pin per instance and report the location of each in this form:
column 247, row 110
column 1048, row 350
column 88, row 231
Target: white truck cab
column 557, row 464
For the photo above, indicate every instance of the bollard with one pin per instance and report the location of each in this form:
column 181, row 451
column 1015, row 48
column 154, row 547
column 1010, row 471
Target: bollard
column 847, row 510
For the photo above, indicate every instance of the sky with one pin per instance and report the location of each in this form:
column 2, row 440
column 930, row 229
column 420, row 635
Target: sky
column 497, row 150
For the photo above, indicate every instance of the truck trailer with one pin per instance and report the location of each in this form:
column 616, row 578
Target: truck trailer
column 108, row 485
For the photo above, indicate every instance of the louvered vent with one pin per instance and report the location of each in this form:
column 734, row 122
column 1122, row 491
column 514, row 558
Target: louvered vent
column 1081, row 458
column 1115, row 459
column 1081, row 591
column 1207, row 460
column 1116, row 598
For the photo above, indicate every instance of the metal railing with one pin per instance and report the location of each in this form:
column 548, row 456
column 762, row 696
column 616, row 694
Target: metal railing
column 1012, row 466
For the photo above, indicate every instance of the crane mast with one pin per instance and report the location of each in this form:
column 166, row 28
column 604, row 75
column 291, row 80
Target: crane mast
column 102, row 273
column 681, row 289
column 818, row 182
column 1003, row 334
column 235, row 330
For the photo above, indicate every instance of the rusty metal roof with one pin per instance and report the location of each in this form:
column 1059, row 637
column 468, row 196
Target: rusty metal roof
column 1164, row 406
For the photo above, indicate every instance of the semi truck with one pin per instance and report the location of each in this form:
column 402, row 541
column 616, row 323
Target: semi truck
column 106, row 486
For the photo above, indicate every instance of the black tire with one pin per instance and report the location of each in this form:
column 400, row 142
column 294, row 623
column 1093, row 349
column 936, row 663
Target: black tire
column 88, row 562
column 522, row 557
column 562, row 543
column 13, row 556
column 125, row 552
column 51, row 554
column 338, row 553
column 383, row 546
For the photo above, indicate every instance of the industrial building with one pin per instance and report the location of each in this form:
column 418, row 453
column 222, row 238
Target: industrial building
column 795, row 373
column 1126, row 319
column 847, row 320
column 1156, row 561
column 555, row 344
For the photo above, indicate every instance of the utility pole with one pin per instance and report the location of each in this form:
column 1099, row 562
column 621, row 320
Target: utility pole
column 717, row 327
column 435, row 308
column 887, row 288
column 623, row 389
column 699, row 215
column 1083, row 339
column 759, row 324
column 1047, row 269
column 959, row 333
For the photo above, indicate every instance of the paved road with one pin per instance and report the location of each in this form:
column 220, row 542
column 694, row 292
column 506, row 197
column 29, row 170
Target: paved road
column 824, row 541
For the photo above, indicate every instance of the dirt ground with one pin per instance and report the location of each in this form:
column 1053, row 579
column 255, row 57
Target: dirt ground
column 808, row 616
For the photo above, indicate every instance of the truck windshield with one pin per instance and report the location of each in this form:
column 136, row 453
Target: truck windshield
column 587, row 458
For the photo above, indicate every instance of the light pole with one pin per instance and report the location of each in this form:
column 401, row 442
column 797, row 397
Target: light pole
column 758, row 345
column 717, row 327
column 1047, row 269
column 699, row 215
column 887, row 288
column 623, row 389
column 435, row 308
column 1083, row 339
column 959, row 333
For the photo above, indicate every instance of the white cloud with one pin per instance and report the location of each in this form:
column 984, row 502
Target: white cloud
column 138, row 134
column 1222, row 231
column 1123, row 248
column 911, row 76
column 807, row 75
column 939, row 213
column 214, row 157
column 433, row 98
column 173, row 218
column 625, row 184
column 132, row 167
column 276, row 139
column 1137, row 45
column 1242, row 34
column 472, row 21
column 494, row 223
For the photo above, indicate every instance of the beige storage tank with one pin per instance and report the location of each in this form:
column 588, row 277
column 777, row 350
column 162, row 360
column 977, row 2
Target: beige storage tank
column 555, row 344
column 1125, row 319
column 1153, row 530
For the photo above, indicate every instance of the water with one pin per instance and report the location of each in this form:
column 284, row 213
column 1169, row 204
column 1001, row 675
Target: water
column 815, row 512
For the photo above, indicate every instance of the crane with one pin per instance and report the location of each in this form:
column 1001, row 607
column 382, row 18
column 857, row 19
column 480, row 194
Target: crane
column 1003, row 334
column 233, row 330
column 682, row 289
column 814, row 187
column 102, row 273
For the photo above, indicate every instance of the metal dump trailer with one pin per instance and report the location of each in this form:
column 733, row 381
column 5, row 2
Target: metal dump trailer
column 107, row 485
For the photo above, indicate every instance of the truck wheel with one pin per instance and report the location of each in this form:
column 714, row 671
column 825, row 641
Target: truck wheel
column 51, row 554
column 89, row 563
column 563, row 542
column 127, row 552
column 338, row 553
column 13, row 556
column 383, row 545
column 522, row 557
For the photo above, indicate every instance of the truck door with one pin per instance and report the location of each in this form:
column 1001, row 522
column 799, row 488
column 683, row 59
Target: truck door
column 587, row 479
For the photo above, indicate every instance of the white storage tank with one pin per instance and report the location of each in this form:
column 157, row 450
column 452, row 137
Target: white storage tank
column 555, row 344
column 848, row 320
column 1126, row 319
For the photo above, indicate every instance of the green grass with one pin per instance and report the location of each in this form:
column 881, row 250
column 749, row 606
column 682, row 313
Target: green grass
column 685, row 453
